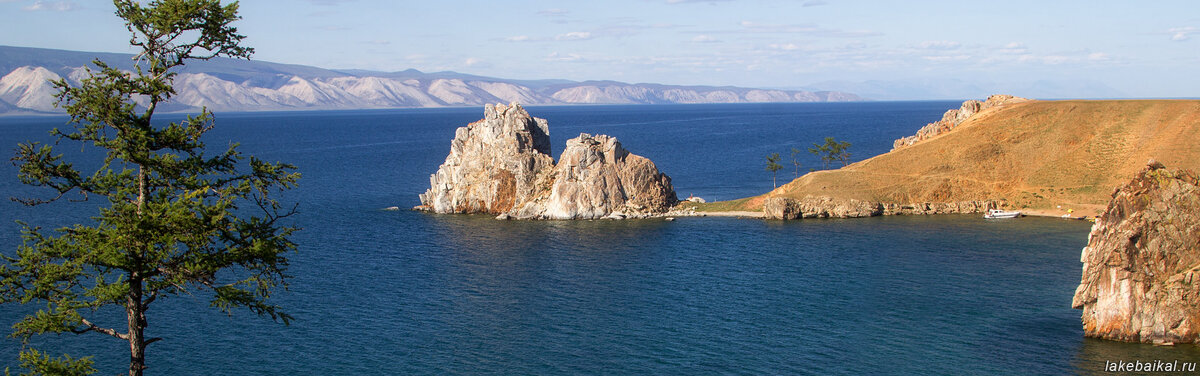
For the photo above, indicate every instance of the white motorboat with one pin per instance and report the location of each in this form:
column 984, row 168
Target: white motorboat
column 997, row 213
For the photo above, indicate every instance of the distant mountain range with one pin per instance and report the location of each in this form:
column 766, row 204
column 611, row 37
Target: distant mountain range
column 241, row 85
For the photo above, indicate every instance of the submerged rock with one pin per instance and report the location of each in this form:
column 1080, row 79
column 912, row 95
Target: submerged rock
column 1142, row 259
column 501, row 165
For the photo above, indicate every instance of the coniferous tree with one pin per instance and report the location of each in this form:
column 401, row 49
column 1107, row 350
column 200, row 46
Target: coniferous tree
column 773, row 166
column 796, row 162
column 178, row 219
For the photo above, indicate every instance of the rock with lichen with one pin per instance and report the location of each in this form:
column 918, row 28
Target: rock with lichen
column 1140, row 268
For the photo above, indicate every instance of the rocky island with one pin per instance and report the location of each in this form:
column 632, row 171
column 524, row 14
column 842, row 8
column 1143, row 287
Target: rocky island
column 501, row 165
column 1141, row 267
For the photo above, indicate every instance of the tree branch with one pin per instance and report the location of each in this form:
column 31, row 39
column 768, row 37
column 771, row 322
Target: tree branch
column 94, row 328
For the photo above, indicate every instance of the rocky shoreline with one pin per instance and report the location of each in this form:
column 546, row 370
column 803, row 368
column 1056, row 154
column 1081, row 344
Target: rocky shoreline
column 827, row 207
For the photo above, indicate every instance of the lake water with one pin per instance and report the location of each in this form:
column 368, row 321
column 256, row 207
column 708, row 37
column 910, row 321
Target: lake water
column 401, row 292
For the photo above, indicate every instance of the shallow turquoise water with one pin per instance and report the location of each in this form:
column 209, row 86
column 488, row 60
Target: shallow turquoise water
column 399, row 292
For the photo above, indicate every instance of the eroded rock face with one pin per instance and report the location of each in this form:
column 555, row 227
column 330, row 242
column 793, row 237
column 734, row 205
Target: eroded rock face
column 501, row 165
column 1142, row 259
column 595, row 178
column 781, row 208
column 953, row 118
column 493, row 163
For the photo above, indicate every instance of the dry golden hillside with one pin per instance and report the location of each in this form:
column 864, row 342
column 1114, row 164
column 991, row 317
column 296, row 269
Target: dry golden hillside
column 1034, row 155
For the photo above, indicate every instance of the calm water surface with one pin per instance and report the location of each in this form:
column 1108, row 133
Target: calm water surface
column 399, row 292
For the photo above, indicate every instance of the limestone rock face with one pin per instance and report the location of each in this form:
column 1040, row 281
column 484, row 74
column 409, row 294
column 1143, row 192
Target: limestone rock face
column 961, row 207
column 781, row 208
column 502, row 165
column 1140, row 268
column 953, row 118
column 493, row 163
column 819, row 207
column 828, row 207
column 595, row 178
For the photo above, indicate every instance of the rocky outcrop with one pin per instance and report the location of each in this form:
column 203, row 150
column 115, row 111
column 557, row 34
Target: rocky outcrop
column 595, row 178
column 493, row 164
column 1141, row 267
column 781, row 208
column 828, row 207
column 501, row 165
column 953, row 118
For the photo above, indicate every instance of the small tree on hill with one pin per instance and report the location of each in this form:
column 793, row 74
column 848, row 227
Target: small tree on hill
column 796, row 162
column 821, row 151
column 177, row 220
column 832, row 150
column 773, row 166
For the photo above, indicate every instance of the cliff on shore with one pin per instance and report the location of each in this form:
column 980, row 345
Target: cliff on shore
column 1025, row 155
column 501, row 165
column 1141, row 267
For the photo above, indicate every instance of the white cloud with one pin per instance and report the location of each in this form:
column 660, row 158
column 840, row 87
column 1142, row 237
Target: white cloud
column 809, row 29
column 1013, row 48
column 940, row 45
column 704, row 39
column 947, row 58
column 518, row 38
column 1180, row 34
column 555, row 56
column 574, row 35
column 471, row 61
column 785, row 46
column 57, row 6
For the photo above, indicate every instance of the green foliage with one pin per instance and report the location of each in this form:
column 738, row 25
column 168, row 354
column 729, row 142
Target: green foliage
column 39, row 363
column 773, row 166
column 832, row 150
column 178, row 220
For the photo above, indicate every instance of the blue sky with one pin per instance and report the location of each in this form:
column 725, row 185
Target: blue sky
column 1142, row 49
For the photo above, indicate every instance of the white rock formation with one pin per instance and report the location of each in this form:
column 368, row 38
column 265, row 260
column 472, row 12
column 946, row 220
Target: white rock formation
column 501, row 165
column 493, row 163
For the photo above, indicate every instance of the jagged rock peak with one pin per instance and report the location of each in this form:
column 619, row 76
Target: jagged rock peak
column 596, row 178
column 952, row 118
column 493, row 163
column 501, row 165
column 1141, row 266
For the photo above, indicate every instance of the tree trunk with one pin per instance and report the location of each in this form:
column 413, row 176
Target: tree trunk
column 137, row 325
column 134, row 311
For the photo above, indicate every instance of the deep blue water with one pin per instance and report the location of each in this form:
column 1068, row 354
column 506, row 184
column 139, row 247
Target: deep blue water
column 400, row 292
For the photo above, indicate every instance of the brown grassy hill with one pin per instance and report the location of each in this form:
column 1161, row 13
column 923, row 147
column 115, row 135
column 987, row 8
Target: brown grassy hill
column 1034, row 155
